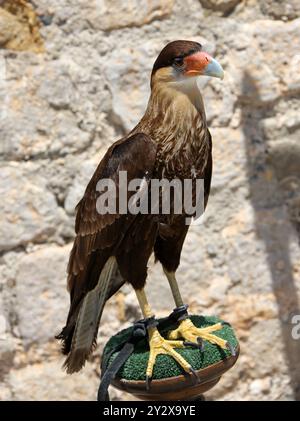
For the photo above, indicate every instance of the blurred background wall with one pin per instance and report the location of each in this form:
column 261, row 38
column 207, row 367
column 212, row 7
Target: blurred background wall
column 74, row 77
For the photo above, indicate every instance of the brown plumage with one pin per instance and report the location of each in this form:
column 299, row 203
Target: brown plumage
column 171, row 141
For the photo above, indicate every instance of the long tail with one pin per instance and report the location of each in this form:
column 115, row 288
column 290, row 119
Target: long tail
column 87, row 324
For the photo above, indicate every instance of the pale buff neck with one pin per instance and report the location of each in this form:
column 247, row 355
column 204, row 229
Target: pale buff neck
column 172, row 107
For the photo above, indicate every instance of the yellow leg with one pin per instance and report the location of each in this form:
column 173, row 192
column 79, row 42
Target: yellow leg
column 174, row 287
column 186, row 330
column 158, row 345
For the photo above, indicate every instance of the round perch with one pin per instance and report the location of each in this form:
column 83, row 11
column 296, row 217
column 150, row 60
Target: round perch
column 169, row 382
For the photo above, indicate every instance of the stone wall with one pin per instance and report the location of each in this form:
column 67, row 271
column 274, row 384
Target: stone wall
column 74, row 76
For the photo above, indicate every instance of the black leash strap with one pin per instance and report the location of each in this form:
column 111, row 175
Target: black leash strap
column 178, row 314
column 112, row 370
column 125, row 350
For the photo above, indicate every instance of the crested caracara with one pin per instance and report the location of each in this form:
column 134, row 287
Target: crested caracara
column 171, row 141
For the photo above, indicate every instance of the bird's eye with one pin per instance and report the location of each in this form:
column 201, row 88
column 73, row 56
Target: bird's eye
column 178, row 61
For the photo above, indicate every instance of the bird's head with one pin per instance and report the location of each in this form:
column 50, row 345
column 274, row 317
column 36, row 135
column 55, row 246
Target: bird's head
column 181, row 61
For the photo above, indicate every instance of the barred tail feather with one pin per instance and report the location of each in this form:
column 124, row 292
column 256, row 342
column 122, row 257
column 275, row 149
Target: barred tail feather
column 88, row 320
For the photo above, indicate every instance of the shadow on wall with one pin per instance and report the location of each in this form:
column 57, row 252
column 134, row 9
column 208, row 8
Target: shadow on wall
column 270, row 223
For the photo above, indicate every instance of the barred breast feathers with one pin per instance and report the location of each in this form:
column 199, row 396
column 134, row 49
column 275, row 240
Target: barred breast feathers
column 175, row 119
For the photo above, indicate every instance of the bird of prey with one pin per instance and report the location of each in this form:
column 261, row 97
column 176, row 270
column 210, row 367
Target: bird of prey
column 171, row 141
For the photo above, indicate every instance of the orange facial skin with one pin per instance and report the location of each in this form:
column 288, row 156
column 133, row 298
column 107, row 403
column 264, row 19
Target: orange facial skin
column 196, row 63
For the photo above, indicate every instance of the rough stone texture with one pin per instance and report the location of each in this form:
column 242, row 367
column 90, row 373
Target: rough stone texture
column 114, row 14
column 19, row 26
column 43, row 273
column 61, row 108
column 281, row 10
column 224, row 6
column 29, row 211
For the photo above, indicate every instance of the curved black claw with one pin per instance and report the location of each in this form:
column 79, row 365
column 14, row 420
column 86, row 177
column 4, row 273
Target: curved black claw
column 194, row 373
column 225, row 323
column 201, row 344
column 193, row 344
column 148, row 381
column 230, row 348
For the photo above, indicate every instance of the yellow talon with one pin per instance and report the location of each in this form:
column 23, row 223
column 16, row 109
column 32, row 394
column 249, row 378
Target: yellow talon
column 159, row 345
column 191, row 333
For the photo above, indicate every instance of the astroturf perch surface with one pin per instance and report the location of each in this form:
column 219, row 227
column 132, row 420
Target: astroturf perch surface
column 165, row 366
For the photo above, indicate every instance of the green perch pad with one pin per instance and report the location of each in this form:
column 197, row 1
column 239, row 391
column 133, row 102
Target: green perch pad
column 165, row 366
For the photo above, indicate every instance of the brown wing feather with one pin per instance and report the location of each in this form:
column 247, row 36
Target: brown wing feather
column 98, row 236
column 136, row 155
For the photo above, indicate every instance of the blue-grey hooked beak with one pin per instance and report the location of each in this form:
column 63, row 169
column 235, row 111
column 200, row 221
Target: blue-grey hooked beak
column 214, row 69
